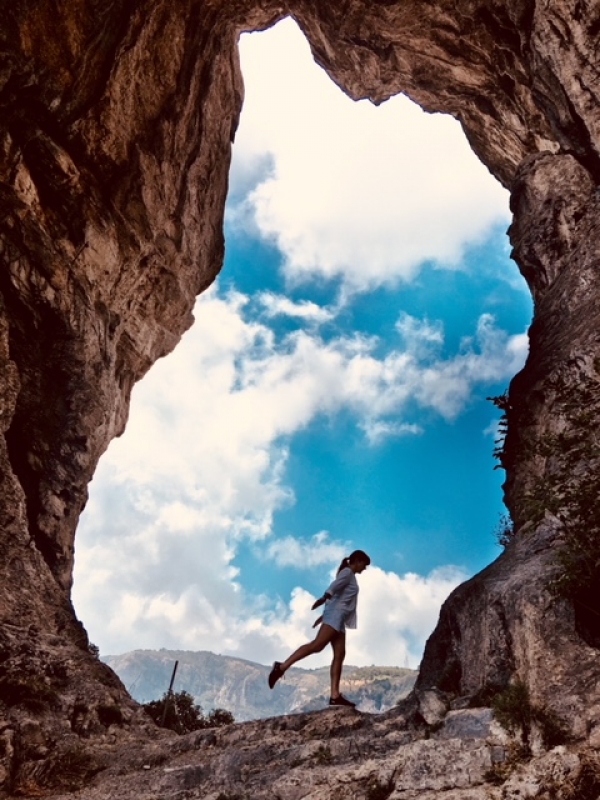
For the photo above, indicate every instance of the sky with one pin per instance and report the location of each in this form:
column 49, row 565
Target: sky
column 331, row 394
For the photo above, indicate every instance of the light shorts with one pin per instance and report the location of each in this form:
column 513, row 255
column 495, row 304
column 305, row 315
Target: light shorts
column 335, row 618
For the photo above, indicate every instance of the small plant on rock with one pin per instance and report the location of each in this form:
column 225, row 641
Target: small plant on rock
column 179, row 713
column 514, row 711
column 380, row 790
column 109, row 715
column 229, row 796
column 505, row 530
column 323, row 754
column 501, row 771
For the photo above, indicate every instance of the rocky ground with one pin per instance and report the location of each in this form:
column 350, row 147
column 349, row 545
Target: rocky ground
column 335, row 754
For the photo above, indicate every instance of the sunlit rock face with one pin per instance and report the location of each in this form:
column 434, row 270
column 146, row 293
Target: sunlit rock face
column 116, row 123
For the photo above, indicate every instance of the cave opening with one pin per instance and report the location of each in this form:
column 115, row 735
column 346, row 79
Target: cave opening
column 331, row 394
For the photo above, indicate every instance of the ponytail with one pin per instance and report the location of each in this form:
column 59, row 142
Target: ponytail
column 356, row 555
column 345, row 563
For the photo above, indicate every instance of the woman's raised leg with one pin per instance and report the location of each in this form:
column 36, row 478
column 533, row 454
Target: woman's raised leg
column 325, row 635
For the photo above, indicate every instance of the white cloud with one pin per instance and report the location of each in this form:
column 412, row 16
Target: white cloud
column 379, row 430
column 276, row 305
column 201, row 467
column 289, row 551
column 489, row 356
column 349, row 189
column 421, row 338
column 397, row 613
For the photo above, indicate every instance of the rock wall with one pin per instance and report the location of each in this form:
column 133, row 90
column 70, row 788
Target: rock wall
column 116, row 122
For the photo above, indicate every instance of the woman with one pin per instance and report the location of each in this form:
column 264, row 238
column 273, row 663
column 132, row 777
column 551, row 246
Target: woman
column 339, row 614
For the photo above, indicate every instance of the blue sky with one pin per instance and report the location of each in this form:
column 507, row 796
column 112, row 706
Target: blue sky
column 330, row 395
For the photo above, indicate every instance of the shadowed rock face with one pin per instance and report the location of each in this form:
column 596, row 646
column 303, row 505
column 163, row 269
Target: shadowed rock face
column 116, row 122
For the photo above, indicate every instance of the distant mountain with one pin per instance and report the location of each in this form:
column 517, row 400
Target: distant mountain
column 241, row 686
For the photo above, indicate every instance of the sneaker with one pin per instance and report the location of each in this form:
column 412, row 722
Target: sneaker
column 275, row 674
column 341, row 701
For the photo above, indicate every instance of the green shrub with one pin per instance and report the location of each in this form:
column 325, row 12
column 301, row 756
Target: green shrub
column 552, row 728
column 379, row 790
column 586, row 786
column 567, row 487
column 323, row 754
column 178, row 712
column 516, row 713
column 501, row 402
column 501, row 771
column 505, row 530
column 109, row 715
column 219, row 717
column 512, row 708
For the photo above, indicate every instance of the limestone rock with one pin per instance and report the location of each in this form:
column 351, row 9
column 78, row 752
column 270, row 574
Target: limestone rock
column 332, row 753
column 116, row 121
column 341, row 754
column 432, row 704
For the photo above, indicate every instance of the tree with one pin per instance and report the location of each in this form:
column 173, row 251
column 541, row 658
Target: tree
column 183, row 715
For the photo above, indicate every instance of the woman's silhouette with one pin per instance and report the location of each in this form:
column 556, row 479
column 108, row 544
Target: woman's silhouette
column 339, row 614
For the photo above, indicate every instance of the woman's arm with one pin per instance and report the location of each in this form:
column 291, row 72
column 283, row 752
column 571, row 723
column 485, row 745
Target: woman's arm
column 321, row 600
column 343, row 579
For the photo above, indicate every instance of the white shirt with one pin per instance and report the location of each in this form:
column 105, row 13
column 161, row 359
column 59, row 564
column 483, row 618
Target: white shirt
column 344, row 596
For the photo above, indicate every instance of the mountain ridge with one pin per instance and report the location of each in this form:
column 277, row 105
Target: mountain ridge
column 240, row 685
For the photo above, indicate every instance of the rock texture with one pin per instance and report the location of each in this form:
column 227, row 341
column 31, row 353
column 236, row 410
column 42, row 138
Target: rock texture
column 116, row 121
column 343, row 755
column 332, row 753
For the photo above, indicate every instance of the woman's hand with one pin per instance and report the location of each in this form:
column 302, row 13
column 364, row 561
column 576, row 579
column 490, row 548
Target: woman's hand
column 320, row 601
